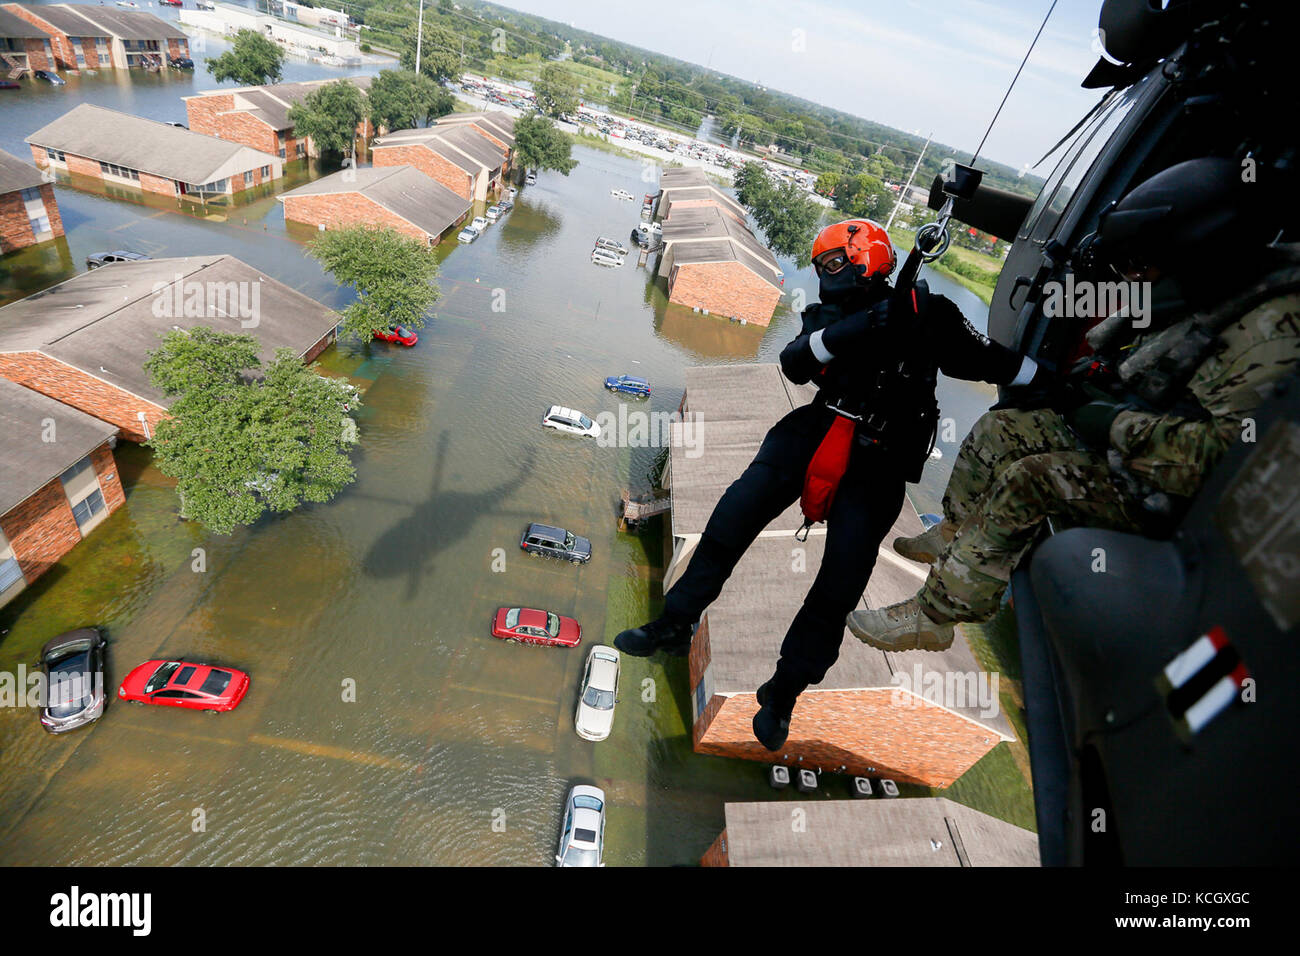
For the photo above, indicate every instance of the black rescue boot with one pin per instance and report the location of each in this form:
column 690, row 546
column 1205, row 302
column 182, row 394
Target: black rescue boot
column 658, row 635
column 775, row 707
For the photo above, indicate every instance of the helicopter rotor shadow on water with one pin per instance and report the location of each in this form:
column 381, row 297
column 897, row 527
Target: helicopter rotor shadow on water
column 440, row 521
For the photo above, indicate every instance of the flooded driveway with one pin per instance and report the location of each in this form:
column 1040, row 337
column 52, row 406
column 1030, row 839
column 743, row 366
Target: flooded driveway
column 383, row 723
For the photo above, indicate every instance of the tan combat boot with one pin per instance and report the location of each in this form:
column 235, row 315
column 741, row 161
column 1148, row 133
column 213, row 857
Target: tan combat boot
column 900, row 627
column 928, row 545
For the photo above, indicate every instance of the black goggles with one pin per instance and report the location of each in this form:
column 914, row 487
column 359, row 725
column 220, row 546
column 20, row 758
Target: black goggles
column 831, row 261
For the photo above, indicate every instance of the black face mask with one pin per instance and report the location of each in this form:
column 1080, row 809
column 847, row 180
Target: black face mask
column 836, row 288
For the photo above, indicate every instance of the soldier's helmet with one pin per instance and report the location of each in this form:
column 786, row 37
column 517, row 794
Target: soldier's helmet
column 1190, row 216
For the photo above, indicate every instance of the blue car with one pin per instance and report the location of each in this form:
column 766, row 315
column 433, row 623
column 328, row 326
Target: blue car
column 628, row 385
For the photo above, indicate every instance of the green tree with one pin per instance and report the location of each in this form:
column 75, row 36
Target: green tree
column 439, row 52
column 789, row 219
column 753, row 187
column 330, row 115
column 557, row 90
column 392, row 274
column 540, row 145
column 240, row 445
column 403, row 99
column 252, row 60
column 827, row 183
column 863, row 197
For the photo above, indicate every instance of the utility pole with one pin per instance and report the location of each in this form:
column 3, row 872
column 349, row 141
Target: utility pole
column 903, row 192
column 419, row 37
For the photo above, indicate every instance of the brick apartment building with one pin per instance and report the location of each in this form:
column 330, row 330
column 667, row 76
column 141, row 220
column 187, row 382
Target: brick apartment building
column 28, row 211
column 875, row 713
column 96, row 37
column 258, row 116
column 465, row 161
column 23, row 46
column 920, row 831
column 84, row 342
column 400, row 197
column 709, row 257
column 57, row 482
column 126, row 150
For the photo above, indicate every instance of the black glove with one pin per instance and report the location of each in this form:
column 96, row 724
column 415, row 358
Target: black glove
column 1044, row 390
column 1091, row 421
column 852, row 336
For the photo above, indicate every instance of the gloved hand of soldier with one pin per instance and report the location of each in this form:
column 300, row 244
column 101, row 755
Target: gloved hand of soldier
column 1091, row 421
column 1044, row 390
column 851, row 336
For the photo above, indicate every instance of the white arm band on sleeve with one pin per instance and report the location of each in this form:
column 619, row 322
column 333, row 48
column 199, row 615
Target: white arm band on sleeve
column 818, row 350
column 1026, row 374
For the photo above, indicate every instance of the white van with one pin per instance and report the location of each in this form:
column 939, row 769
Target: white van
column 571, row 421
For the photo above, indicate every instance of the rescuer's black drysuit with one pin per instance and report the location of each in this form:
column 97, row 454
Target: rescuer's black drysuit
column 883, row 368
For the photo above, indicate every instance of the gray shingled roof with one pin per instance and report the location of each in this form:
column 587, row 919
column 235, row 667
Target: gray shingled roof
column 732, row 407
column 402, row 190
column 144, row 144
column 127, row 24
column 496, row 122
column 459, row 145
column 710, row 222
column 104, row 321
column 27, row 461
column 12, row 25
column 16, row 174
column 917, row 831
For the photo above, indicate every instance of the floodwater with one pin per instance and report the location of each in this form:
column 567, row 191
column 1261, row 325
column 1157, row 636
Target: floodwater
column 384, row 724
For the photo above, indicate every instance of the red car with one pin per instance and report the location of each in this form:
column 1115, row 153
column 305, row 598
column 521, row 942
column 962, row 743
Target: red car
column 180, row 684
column 397, row 334
column 531, row 626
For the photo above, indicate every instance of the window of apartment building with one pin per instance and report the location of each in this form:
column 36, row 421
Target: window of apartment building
column 10, row 574
column 282, row 156
column 266, row 172
column 87, row 508
column 32, row 194
column 40, row 225
column 220, row 186
column 55, row 154
column 302, row 149
column 111, row 169
column 248, row 177
column 71, row 474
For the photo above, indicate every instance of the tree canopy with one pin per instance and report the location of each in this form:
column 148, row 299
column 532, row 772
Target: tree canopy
column 439, row 51
column 404, row 99
column 392, row 274
column 788, row 218
column 556, row 90
column 239, row 445
column 330, row 114
column 539, row 144
column 252, row 60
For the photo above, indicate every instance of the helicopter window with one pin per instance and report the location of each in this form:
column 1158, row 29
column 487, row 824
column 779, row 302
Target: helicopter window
column 1074, row 165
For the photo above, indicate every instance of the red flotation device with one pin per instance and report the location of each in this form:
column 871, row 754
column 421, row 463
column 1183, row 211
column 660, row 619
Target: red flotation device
column 825, row 470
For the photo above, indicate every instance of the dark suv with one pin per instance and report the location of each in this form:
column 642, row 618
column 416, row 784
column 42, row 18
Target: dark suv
column 555, row 543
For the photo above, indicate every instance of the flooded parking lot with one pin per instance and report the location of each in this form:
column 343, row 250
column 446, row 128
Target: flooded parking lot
column 384, row 724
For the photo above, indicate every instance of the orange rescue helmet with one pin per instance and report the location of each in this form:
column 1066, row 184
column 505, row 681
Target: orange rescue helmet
column 858, row 241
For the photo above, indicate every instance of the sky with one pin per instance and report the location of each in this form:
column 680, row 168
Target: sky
column 924, row 66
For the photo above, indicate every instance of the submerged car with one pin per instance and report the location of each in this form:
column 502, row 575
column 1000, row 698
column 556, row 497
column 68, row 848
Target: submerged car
column 180, row 62
column 184, row 684
column 493, row 212
column 73, row 665
column 550, row 542
column 604, row 257
column 468, row 234
column 570, row 420
column 628, row 385
column 612, row 245
column 530, row 179
column 582, row 835
column 595, row 716
column 480, row 223
column 95, row 260
column 398, row 334
column 620, row 194
column 529, row 625
column 49, row 76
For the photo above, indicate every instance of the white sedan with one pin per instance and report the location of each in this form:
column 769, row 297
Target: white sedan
column 582, row 836
column 570, row 420
column 595, row 716
column 620, row 194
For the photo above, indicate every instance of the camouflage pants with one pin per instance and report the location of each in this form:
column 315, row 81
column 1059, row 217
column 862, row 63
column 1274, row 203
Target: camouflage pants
column 1014, row 470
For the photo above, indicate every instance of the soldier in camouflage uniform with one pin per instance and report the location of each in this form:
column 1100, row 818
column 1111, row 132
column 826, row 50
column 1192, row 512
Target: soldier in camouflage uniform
column 1104, row 461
